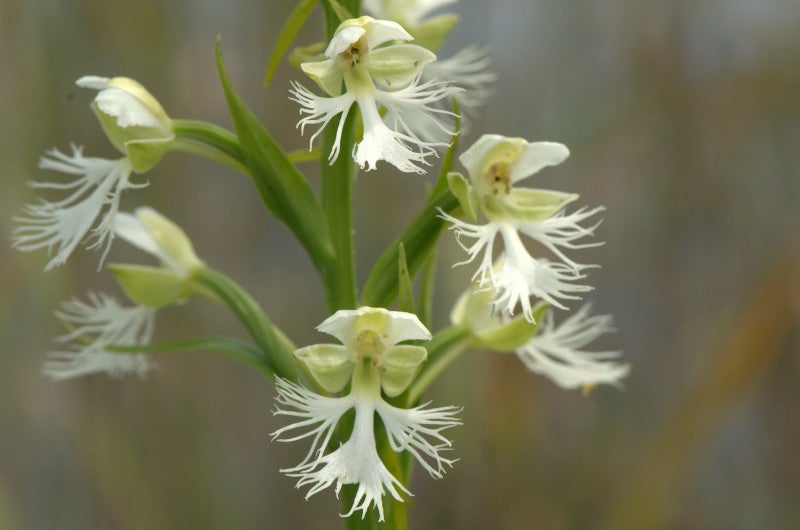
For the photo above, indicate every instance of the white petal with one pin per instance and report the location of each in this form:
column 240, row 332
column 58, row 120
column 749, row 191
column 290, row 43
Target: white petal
column 93, row 81
column 536, row 156
column 343, row 39
column 318, row 416
column 473, row 159
column 405, row 326
column 93, row 201
column 320, row 111
column 556, row 351
column 354, row 462
column 380, row 31
column 400, row 326
column 484, row 236
column 379, row 142
column 130, row 228
column 104, row 323
column 521, row 276
column 128, row 110
column 562, row 231
column 418, row 431
column 467, row 69
column 421, row 111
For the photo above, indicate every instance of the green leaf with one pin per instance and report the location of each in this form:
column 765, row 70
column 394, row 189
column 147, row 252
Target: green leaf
column 336, row 13
column 426, row 290
column 405, row 299
column 419, row 238
column 284, row 190
column 294, row 23
column 450, row 154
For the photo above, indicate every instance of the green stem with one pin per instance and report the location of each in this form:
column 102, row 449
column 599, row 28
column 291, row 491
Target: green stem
column 269, row 338
column 209, row 141
column 339, row 274
column 233, row 348
column 443, row 349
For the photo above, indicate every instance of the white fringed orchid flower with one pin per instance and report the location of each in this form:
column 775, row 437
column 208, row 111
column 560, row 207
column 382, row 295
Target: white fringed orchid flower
column 495, row 163
column 137, row 125
column 371, row 359
column 467, row 68
column 400, row 122
column 102, row 322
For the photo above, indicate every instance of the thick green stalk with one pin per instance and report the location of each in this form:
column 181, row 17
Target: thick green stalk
column 339, row 274
column 209, row 141
column 269, row 338
column 229, row 347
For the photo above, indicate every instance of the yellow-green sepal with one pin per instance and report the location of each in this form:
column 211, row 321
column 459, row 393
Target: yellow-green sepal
column 405, row 289
column 462, row 190
column 398, row 65
column 146, row 153
column 326, row 74
column 399, row 366
column 526, row 204
column 331, row 365
column 151, row 286
column 487, row 328
column 432, row 33
column 511, row 335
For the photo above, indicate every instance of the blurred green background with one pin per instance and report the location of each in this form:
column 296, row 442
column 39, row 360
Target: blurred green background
column 683, row 119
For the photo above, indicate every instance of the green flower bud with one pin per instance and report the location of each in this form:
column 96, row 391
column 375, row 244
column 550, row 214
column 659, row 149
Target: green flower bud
column 488, row 328
column 132, row 119
column 160, row 237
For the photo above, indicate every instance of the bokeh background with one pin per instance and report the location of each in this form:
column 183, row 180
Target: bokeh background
column 683, row 118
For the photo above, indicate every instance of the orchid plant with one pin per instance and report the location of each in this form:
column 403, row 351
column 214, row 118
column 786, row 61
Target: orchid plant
column 381, row 97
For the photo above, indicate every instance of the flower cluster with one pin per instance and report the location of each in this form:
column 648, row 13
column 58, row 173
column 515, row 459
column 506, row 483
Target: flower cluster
column 379, row 369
